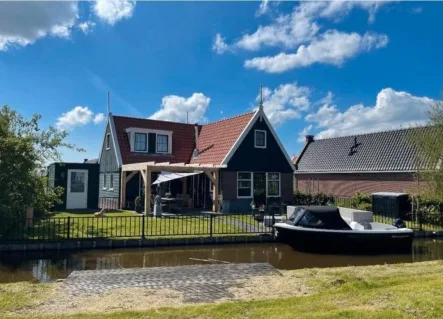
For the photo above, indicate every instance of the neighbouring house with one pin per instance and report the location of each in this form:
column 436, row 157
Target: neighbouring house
column 367, row 163
column 242, row 154
column 80, row 183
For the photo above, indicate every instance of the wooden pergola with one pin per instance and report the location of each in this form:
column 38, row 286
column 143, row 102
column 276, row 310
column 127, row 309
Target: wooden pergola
column 146, row 168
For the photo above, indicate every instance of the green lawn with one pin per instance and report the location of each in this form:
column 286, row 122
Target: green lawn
column 388, row 291
column 128, row 224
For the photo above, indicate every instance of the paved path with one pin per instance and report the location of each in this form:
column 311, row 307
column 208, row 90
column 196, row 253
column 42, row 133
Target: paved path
column 199, row 283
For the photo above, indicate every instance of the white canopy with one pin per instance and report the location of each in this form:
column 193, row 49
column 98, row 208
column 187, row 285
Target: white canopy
column 169, row 176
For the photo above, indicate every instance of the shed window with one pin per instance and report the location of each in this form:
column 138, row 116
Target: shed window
column 162, row 143
column 260, row 139
column 244, row 184
column 140, row 142
column 108, row 141
column 111, row 182
column 273, row 184
column 104, row 181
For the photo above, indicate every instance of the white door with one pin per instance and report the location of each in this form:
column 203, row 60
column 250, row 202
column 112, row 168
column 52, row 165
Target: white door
column 77, row 193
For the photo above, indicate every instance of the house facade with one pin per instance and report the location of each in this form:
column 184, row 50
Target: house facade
column 255, row 165
column 366, row 163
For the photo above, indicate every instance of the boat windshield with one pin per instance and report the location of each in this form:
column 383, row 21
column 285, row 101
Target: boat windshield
column 296, row 215
column 310, row 220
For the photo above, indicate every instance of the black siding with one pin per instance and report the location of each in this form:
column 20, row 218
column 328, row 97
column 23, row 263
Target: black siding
column 58, row 176
column 250, row 159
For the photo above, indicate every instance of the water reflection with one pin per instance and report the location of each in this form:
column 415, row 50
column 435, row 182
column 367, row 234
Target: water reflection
column 49, row 266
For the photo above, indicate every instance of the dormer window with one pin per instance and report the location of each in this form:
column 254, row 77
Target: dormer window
column 162, row 143
column 260, row 139
column 149, row 141
column 140, row 140
column 108, row 141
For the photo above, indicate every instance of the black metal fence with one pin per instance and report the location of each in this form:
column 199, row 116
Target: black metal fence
column 78, row 228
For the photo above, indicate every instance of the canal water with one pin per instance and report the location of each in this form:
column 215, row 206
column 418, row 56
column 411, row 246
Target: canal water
column 50, row 266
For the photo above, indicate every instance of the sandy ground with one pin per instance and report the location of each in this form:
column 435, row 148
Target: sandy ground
column 60, row 302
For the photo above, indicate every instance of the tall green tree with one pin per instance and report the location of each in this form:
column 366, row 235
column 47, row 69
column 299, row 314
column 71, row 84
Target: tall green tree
column 429, row 141
column 24, row 150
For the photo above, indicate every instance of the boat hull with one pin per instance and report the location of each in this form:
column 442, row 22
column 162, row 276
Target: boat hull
column 354, row 242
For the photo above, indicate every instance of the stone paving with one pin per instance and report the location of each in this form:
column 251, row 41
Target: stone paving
column 199, row 283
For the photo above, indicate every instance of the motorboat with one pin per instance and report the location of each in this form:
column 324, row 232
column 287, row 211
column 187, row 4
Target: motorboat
column 322, row 229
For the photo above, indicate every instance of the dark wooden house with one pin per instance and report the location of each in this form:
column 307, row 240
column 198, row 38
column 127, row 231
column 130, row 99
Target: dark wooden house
column 255, row 164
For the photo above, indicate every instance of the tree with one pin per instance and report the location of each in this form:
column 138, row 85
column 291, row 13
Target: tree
column 429, row 142
column 24, row 150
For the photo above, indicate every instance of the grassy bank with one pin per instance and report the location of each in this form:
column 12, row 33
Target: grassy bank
column 389, row 291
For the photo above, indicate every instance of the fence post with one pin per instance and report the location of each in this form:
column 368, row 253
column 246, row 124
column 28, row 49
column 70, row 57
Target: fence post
column 69, row 227
column 143, row 226
column 210, row 224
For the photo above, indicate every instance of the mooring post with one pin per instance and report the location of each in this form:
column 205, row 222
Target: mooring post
column 143, row 226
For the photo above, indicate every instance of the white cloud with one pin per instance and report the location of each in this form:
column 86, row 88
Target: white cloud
column 302, row 135
column 393, row 109
column 332, row 47
column 263, row 8
column 219, row 45
column 23, row 23
column 86, row 26
column 174, row 108
column 327, row 99
column 78, row 116
column 112, row 11
column 284, row 103
column 98, row 118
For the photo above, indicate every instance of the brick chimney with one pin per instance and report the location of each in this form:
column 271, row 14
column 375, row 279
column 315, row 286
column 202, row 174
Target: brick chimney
column 309, row 139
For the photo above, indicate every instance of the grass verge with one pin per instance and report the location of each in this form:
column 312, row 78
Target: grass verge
column 388, row 291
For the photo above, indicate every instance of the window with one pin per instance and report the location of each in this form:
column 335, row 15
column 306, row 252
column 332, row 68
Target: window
column 104, row 181
column 108, row 141
column 273, row 184
column 310, row 220
column 140, row 142
column 111, row 182
column 162, row 143
column 77, row 182
column 260, row 139
column 244, row 184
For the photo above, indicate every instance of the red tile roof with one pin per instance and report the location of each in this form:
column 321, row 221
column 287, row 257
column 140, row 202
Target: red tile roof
column 182, row 140
column 216, row 139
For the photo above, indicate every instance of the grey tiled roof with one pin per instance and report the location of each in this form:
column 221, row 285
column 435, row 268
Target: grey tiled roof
column 381, row 151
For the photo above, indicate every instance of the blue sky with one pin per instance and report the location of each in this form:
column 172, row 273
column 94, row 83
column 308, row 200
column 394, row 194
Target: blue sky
column 328, row 69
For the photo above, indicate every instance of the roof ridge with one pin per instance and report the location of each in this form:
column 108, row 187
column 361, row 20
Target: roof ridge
column 148, row 119
column 371, row 133
column 230, row 118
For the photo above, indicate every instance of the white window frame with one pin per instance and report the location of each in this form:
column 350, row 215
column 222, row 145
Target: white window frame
column 146, row 144
column 131, row 134
column 104, row 181
column 251, row 179
column 255, row 139
column 108, row 141
column 156, row 143
column 273, row 180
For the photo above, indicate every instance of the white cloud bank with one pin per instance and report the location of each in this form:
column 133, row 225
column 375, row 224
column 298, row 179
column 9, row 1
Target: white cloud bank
column 176, row 108
column 219, row 45
column 332, row 47
column 112, row 11
column 284, row 103
column 23, row 23
column 393, row 109
column 78, row 116
column 301, row 30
